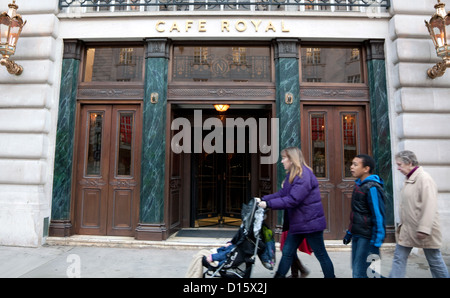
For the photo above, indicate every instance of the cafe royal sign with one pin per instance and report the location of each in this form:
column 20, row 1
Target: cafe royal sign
column 223, row 25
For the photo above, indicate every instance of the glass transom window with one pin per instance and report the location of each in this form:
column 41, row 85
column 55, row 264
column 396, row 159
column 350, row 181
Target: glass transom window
column 331, row 65
column 114, row 64
column 225, row 64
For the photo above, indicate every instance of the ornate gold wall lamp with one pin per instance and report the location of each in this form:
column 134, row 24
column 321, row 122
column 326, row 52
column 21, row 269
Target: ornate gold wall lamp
column 440, row 35
column 11, row 25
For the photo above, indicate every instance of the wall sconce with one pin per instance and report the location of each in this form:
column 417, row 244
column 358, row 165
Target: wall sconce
column 154, row 97
column 11, row 25
column 221, row 107
column 440, row 36
column 289, row 98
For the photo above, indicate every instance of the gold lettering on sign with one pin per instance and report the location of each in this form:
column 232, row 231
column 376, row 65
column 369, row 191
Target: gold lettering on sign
column 241, row 26
column 256, row 24
column 202, row 26
column 189, row 25
column 159, row 23
column 283, row 29
column 270, row 26
column 225, row 26
column 174, row 27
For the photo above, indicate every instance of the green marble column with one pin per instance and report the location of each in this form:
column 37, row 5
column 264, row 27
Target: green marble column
column 379, row 115
column 152, row 226
column 288, row 100
column 288, row 96
column 62, row 175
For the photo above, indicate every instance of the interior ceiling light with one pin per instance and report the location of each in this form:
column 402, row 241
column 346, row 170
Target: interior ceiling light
column 221, row 107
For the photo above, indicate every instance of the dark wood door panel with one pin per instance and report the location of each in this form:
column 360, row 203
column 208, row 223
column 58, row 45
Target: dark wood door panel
column 331, row 136
column 123, row 204
column 92, row 170
column 121, row 211
column 108, row 170
column 91, row 209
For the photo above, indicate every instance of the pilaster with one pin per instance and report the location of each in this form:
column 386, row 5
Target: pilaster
column 287, row 99
column 287, row 96
column 152, row 218
column 379, row 115
column 62, row 180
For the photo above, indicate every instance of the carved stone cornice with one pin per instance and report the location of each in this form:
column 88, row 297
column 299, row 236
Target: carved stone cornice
column 157, row 48
column 72, row 49
column 286, row 48
column 375, row 49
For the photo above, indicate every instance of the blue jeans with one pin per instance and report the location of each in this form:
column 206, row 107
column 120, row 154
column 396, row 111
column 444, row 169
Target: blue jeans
column 315, row 240
column 437, row 265
column 360, row 252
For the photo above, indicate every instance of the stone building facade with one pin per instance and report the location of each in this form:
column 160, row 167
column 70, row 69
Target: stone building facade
column 44, row 191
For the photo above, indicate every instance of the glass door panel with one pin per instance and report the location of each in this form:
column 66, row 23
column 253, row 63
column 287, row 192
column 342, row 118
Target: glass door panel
column 94, row 154
column 125, row 144
column 318, row 144
column 349, row 141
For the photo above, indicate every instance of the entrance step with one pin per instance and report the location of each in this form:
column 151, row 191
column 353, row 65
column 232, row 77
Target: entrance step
column 172, row 242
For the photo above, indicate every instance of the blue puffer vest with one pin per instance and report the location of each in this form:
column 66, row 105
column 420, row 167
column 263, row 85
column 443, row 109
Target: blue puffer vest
column 368, row 210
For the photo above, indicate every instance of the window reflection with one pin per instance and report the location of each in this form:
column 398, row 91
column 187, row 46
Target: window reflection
column 331, row 65
column 349, row 135
column 201, row 55
column 312, row 55
column 95, row 143
column 114, row 64
column 232, row 64
column 124, row 158
column 239, row 56
column 318, row 144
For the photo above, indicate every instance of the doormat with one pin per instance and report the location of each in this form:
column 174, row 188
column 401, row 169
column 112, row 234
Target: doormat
column 205, row 233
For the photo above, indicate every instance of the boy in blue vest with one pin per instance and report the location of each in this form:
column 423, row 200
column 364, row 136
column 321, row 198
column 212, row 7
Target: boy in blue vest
column 367, row 227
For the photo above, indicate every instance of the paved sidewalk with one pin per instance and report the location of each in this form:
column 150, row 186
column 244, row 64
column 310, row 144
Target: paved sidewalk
column 121, row 257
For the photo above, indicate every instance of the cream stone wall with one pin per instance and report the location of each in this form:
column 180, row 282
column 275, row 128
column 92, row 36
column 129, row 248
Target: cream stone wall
column 28, row 110
column 420, row 106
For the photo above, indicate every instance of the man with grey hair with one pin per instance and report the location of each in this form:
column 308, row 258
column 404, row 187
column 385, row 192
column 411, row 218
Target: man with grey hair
column 419, row 219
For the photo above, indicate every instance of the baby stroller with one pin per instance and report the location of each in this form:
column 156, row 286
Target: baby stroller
column 247, row 243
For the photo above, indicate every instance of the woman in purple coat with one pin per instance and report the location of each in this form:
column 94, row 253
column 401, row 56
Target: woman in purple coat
column 300, row 198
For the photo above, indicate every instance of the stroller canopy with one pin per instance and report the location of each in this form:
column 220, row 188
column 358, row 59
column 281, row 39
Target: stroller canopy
column 252, row 214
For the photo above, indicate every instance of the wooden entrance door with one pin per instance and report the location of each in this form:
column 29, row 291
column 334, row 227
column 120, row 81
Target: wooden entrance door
column 331, row 137
column 108, row 170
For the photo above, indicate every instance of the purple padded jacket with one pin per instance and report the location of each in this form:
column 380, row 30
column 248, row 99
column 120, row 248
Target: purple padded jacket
column 301, row 200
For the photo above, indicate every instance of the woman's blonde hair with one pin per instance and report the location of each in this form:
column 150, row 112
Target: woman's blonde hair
column 295, row 155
